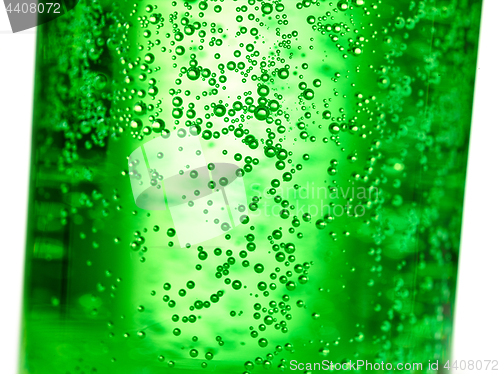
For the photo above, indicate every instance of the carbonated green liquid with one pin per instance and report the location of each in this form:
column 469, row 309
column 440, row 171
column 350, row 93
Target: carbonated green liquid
column 346, row 122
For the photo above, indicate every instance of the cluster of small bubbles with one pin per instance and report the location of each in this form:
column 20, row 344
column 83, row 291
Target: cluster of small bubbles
column 262, row 122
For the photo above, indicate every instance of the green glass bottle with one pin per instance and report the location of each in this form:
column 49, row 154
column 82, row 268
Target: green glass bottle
column 233, row 186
